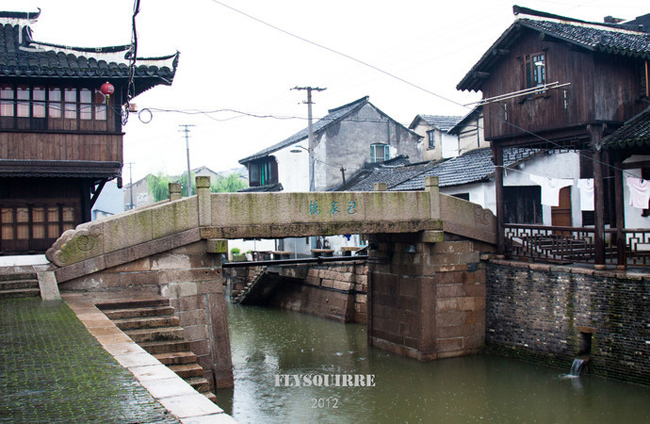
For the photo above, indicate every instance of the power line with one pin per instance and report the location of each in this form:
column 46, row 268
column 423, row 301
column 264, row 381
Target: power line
column 394, row 76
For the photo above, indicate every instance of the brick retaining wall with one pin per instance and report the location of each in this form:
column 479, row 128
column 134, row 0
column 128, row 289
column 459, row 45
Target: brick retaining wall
column 545, row 313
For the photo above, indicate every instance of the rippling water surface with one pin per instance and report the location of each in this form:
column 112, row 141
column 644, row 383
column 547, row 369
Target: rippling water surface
column 270, row 342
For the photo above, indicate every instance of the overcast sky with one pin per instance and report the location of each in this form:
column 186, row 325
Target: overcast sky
column 232, row 61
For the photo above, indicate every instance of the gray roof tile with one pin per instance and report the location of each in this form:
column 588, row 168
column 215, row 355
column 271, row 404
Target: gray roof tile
column 23, row 56
column 441, row 122
column 471, row 167
column 616, row 39
column 635, row 133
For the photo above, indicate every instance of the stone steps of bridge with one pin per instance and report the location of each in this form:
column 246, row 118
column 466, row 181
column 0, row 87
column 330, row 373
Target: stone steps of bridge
column 243, row 292
column 152, row 324
column 148, row 322
column 200, row 384
column 17, row 285
column 165, row 346
column 155, row 334
column 186, row 371
column 176, row 358
column 150, row 311
column 132, row 304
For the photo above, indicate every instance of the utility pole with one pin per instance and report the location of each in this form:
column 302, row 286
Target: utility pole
column 131, row 205
column 186, row 131
column 310, row 130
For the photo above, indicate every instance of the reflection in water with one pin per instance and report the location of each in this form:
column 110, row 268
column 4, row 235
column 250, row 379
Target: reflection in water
column 268, row 342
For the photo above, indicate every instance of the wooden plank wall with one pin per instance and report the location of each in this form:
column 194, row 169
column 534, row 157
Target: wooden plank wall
column 603, row 88
column 61, row 146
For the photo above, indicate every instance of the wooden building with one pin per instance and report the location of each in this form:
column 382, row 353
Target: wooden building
column 557, row 83
column 60, row 137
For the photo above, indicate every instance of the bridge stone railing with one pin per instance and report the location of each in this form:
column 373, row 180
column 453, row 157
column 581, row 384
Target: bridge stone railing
column 142, row 232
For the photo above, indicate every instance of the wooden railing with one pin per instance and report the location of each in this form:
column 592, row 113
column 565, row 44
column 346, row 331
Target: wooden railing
column 574, row 244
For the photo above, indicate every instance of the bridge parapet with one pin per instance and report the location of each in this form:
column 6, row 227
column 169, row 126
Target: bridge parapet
column 271, row 215
column 145, row 231
column 133, row 228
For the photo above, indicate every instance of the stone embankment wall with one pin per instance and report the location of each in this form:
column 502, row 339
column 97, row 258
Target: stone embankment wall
column 192, row 280
column 552, row 314
column 337, row 292
column 333, row 291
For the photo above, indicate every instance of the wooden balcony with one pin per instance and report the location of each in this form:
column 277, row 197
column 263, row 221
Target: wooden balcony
column 53, row 146
column 574, row 244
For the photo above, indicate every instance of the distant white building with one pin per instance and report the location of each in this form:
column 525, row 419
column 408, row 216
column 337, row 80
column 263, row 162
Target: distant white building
column 109, row 202
column 434, row 129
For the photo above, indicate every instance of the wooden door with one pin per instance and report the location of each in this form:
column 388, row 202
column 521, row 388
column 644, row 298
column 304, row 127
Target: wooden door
column 561, row 215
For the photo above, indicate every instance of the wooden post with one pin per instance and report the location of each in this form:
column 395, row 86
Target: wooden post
column 497, row 152
column 621, row 262
column 596, row 134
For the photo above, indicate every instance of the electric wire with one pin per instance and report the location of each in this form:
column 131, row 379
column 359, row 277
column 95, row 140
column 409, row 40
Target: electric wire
column 394, row 76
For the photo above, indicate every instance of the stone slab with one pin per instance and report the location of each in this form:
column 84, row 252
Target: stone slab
column 48, row 285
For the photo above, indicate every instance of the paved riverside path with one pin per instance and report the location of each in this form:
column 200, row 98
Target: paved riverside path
column 53, row 370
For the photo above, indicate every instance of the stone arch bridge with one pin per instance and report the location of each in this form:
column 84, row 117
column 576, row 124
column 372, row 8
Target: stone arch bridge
column 426, row 305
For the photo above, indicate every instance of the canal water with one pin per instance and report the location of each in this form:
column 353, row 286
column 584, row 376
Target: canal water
column 269, row 344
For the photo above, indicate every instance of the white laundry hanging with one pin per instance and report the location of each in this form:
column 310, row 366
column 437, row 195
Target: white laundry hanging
column 551, row 188
column 639, row 192
column 586, row 186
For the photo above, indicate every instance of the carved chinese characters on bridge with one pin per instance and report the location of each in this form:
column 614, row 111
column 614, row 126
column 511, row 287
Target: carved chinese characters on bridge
column 335, row 208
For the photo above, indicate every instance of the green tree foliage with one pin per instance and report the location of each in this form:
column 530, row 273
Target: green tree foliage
column 158, row 185
column 230, row 184
column 183, row 182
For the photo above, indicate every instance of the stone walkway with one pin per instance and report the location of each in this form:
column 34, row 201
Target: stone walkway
column 53, row 370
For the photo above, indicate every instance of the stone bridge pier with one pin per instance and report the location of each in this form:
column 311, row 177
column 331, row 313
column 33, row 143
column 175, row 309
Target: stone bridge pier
column 426, row 284
column 426, row 295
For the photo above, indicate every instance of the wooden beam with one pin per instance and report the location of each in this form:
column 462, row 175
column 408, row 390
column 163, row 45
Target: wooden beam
column 500, row 52
column 96, row 191
column 636, row 165
column 482, row 75
column 619, row 203
column 596, row 134
column 497, row 153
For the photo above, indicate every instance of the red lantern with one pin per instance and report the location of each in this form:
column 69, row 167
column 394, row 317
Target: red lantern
column 107, row 89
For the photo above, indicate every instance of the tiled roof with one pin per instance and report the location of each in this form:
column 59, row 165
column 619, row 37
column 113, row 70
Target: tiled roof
column 21, row 56
column 333, row 116
column 597, row 38
column 472, row 167
column 439, row 122
column 616, row 39
column 262, row 189
column 391, row 172
column 635, row 133
column 455, row 130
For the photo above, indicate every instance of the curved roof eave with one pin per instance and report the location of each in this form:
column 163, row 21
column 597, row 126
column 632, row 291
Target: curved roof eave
column 471, row 81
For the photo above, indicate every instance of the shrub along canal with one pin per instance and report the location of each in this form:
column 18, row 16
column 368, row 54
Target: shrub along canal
column 286, row 366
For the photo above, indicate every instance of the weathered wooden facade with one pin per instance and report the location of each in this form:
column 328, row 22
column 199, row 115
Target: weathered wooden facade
column 60, row 136
column 558, row 83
